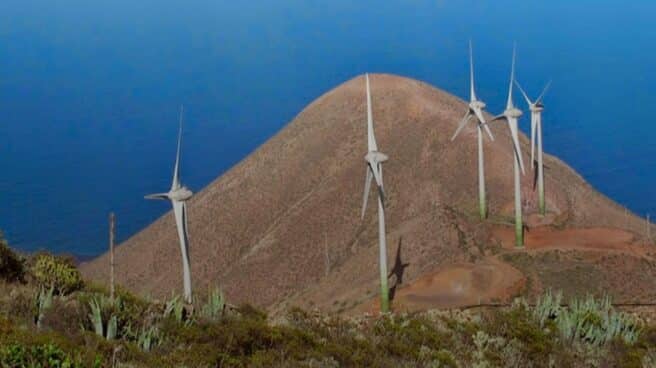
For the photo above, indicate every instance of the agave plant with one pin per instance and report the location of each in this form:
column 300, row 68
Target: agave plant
column 588, row 320
column 98, row 304
column 174, row 308
column 43, row 302
column 148, row 338
column 215, row 305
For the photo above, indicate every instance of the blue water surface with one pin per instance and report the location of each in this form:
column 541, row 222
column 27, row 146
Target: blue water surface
column 89, row 91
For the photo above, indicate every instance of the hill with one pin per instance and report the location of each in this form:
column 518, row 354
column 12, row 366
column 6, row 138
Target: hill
column 283, row 228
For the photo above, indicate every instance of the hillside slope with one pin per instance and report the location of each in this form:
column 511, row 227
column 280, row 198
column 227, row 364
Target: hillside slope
column 284, row 224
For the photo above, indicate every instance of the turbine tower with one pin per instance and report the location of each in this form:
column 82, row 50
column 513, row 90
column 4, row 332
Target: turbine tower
column 178, row 195
column 475, row 110
column 536, row 108
column 374, row 160
column 511, row 115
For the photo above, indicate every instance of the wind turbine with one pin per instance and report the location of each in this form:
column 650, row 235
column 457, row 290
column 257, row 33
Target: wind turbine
column 536, row 108
column 374, row 160
column 511, row 115
column 178, row 195
column 476, row 110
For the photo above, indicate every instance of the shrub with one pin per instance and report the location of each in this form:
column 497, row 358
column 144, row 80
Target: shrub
column 46, row 355
column 12, row 266
column 58, row 273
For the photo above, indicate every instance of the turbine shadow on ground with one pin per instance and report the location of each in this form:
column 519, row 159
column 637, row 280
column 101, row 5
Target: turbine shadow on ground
column 398, row 270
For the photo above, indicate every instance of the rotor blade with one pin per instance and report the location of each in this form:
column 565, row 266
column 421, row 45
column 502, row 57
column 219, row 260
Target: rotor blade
column 488, row 131
column 481, row 121
column 515, row 140
column 461, row 124
column 381, row 189
column 509, row 103
column 179, row 211
column 371, row 139
column 157, row 196
column 472, row 92
column 498, row 117
column 176, row 170
column 528, row 100
column 544, row 91
column 367, row 188
column 533, row 127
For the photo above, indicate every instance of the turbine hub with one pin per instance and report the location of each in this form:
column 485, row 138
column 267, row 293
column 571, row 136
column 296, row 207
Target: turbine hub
column 182, row 194
column 375, row 157
column 513, row 112
column 537, row 108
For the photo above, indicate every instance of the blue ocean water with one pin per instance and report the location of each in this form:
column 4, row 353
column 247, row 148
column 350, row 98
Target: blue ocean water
column 89, row 91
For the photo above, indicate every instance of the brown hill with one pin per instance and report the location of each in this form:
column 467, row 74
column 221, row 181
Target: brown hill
column 283, row 227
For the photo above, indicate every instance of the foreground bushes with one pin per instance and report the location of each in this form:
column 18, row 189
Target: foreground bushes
column 11, row 265
column 53, row 320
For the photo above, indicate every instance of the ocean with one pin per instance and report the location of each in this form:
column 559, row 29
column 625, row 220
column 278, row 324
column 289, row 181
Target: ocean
column 90, row 92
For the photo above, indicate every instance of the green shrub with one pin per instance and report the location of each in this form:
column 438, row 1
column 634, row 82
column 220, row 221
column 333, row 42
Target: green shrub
column 12, row 266
column 58, row 273
column 46, row 355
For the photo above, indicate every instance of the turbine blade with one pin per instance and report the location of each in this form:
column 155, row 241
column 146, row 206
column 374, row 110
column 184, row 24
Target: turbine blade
column 377, row 171
column 180, row 212
column 509, row 103
column 371, row 139
column 367, row 188
column 515, row 140
column 481, row 121
column 461, row 124
column 176, row 170
column 528, row 100
column 164, row 196
column 472, row 92
column 381, row 188
column 488, row 131
column 533, row 127
column 544, row 91
column 498, row 117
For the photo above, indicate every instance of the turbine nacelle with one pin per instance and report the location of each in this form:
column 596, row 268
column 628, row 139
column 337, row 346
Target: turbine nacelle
column 513, row 112
column 178, row 195
column 477, row 105
column 375, row 157
column 536, row 108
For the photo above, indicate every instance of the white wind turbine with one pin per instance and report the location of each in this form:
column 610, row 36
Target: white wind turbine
column 536, row 139
column 374, row 160
column 511, row 115
column 178, row 195
column 476, row 110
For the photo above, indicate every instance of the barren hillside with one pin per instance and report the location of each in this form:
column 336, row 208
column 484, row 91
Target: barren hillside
column 283, row 226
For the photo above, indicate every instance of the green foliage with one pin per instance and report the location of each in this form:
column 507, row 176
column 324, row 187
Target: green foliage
column 214, row 307
column 12, row 266
column 175, row 309
column 102, row 309
column 58, row 273
column 587, row 320
column 46, row 355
